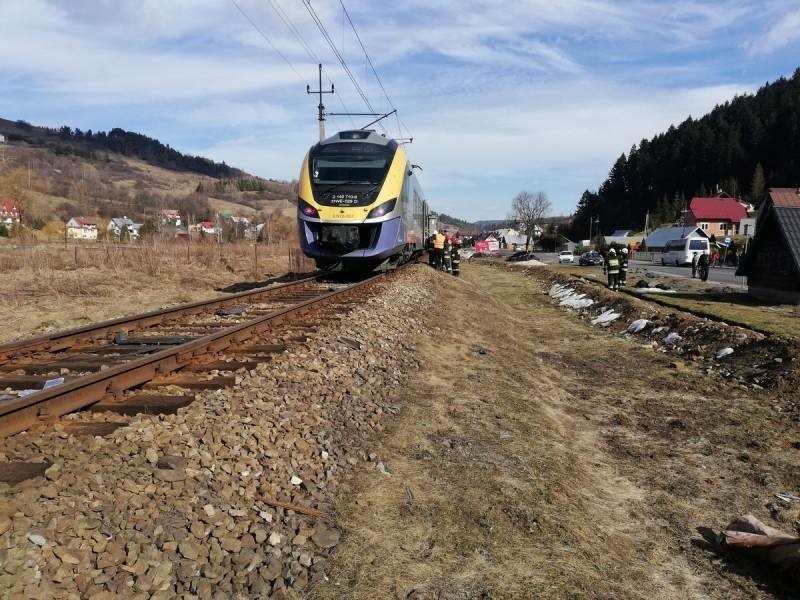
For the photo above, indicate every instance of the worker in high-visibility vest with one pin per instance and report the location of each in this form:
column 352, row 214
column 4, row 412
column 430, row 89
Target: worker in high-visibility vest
column 438, row 249
column 611, row 268
column 447, row 265
column 455, row 254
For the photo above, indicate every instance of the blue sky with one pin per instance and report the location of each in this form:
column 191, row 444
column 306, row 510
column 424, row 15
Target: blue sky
column 499, row 96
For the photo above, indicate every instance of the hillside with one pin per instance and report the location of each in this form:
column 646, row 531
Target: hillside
column 742, row 147
column 58, row 174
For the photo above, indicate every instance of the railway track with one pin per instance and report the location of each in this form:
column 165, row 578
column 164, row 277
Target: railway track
column 125, row 365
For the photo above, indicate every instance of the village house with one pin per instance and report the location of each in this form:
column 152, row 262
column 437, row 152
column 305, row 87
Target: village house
column 82, row 228
column 720, row 216
column 207, row 227
column 9, row 213
column 118, row 224
column 170, row 216
column 772, row 262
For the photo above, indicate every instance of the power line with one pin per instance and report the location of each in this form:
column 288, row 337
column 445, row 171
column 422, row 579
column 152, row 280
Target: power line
column 338, row 55
column 266, row 39
column 372, row 66
column 283, row 16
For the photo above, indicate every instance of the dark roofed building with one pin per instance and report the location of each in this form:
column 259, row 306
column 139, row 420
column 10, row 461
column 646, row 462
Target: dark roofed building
column 772, row 263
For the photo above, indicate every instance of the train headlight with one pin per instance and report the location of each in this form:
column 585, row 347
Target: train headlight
column 307, row 209
column 383, row 209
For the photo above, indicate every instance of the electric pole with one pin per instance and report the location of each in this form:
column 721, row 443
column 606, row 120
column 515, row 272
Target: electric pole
column 321, row 106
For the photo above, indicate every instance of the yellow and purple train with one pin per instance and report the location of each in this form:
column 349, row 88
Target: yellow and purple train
column 360, row 206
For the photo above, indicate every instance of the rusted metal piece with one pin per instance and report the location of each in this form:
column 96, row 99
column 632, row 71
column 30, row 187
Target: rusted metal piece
column 221, row 365
column 22, row 413
column 311, row 512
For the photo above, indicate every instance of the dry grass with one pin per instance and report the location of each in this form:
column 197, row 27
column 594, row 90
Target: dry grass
column 562, row 462
column 49, row 286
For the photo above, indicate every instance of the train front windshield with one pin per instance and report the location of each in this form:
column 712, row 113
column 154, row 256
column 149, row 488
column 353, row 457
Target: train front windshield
column 350, row 164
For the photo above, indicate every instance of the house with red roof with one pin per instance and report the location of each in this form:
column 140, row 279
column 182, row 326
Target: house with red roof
column 82, row 228
column 720, row 216
column 170, row 216
column 9, row 212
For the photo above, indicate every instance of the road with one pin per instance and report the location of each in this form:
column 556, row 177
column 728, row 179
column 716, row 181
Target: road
column 722, row 275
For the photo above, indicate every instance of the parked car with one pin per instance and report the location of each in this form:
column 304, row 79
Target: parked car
column 522, row 255
column 591, row 259
column 565, row 256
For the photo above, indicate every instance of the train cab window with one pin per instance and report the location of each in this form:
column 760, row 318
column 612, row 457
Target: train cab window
column 350, row 164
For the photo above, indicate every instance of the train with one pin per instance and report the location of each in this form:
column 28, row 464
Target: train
column 360, row 205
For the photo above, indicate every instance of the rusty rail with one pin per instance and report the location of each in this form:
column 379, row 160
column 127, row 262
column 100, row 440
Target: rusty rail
column 26, row 412
column 52, row 342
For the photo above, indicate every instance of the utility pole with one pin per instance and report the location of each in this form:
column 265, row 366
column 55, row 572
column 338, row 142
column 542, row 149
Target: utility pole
column 321, row 106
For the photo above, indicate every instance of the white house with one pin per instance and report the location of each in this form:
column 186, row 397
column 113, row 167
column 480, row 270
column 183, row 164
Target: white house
column 117, row 224
column 82, row 228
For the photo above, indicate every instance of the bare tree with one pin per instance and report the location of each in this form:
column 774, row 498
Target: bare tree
column 528, row 209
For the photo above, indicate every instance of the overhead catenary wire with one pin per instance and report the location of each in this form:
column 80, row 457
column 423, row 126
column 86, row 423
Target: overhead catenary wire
column 318, row 22
column 287, row 21
column 400, row 124
column 269, row 41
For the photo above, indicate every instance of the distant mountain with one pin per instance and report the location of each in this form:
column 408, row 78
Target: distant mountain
column 87, row 144
column 56, row 174
column 742, row 147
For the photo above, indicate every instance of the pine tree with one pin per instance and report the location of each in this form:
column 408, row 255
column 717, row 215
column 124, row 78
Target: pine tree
column 758, row 185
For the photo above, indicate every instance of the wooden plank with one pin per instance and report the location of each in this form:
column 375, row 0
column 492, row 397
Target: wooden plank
column 154, row 404
column 192, row 383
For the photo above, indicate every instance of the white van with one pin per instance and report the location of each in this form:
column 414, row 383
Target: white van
column 679, row 252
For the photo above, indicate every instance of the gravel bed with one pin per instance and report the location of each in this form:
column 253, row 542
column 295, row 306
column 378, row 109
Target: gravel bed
column 181, row 505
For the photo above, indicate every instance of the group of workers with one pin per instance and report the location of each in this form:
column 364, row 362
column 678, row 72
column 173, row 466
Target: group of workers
column 444, row 251
column 616, row 267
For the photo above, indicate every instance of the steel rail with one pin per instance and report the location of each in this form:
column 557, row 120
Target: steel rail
column 23, row 413
column 61, row 340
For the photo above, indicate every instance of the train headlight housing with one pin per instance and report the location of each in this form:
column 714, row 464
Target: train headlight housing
column 308, row 210
column 383, row 209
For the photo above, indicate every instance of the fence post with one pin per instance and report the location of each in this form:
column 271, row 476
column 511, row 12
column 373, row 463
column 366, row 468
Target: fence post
column 76, row 255
column 255, row 260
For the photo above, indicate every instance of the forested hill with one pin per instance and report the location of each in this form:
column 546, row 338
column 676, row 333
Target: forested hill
column 88, row 144
column 741, row 147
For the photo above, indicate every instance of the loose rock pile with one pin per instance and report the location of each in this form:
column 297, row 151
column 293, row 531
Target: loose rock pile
column 195, row 504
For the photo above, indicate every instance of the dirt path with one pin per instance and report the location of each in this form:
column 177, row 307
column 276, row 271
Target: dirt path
column 536, row 457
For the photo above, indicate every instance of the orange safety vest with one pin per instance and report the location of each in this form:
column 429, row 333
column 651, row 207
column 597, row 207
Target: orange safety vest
column 438, row 242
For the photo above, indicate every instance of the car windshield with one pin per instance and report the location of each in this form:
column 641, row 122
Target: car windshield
column 566, row 253
column 350, row 164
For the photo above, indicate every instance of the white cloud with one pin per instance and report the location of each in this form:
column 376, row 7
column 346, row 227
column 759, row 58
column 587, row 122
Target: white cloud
column 783, row 32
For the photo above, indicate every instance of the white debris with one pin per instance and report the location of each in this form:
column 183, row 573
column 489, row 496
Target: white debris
column 637, row 325
column 324, row 455
column 36, row 539
column 576, row 301
column 382, row 468
column 672, row 339
column 274, row 538
column 606, row 317
column 652, row 290
column 723, row 353
column 296, row 480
